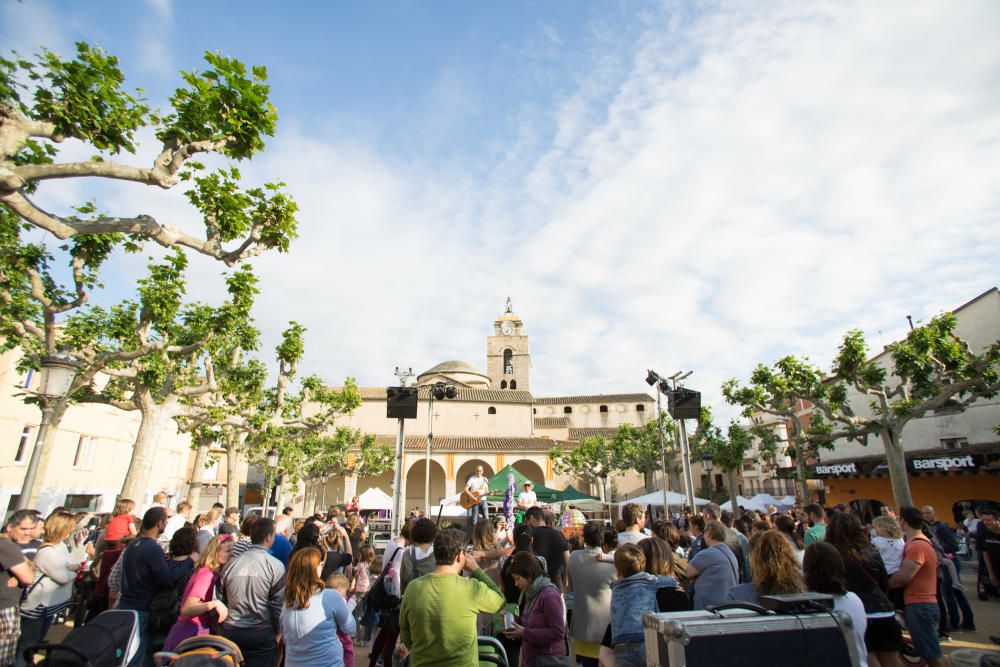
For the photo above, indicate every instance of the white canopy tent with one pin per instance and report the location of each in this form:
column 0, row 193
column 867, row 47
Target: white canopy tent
column 375, row 499
column 674, row 499
column 746, row 503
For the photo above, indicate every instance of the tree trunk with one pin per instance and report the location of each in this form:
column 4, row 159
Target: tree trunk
column 800, row 472
column 197, row 472
column 648, row 480
column 57, row 409
column 731, row 483
column 155, row 419
column 233, row 465
column 896, row 460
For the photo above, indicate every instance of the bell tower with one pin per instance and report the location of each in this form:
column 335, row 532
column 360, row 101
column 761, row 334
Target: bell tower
column 508, row 361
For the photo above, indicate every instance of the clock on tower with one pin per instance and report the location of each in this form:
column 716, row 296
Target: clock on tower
column 508, row 361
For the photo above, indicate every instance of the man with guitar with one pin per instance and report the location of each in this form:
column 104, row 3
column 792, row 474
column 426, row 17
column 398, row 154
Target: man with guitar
column 474, row 498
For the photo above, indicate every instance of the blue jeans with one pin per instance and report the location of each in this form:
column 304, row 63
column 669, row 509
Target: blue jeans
column 33, row 631
column 631, row 655
column 954, row 599
column 922, row 622
column 479, row 509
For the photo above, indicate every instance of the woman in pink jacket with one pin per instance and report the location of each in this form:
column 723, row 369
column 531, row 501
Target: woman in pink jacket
column 540, row 627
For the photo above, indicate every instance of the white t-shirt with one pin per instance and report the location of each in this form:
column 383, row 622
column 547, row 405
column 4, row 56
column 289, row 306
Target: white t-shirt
column 851, row 605
column 891, row 551
column 478, row 484
column 527, row 499
column 971, row 525
column 173, row 523
column 628, row 537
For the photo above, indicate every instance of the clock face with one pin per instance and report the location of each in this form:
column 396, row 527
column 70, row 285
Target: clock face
column 508, row 328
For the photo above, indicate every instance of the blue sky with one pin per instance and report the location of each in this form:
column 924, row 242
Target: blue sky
column 655, row 185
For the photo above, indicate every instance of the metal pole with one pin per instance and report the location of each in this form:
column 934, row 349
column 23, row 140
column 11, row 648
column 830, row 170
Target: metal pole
column 267, row 492
column 397, row 488
column 323, row 508
column 28, row 488
column 427, row 457
column 686, row 462
column 663, row 454
column 708, row 476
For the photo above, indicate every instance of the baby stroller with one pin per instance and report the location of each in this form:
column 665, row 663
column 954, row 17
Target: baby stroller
column 110, row 639
column 201, row 651
column 491, row 653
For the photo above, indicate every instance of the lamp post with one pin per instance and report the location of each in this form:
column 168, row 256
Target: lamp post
column 653, row 379
column 58, row 372
column 440, row 391
column 272, row 464
column 604, row 483
column 324, row 478
column 706, row 460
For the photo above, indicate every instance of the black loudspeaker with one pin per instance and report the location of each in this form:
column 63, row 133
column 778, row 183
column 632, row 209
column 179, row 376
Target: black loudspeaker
column 401, row 403
column 684, row 404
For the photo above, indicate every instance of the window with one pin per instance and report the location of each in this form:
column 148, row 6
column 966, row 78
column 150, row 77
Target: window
column 534, row 411
column 84, row 458
column 24, row 445
column 640, row 408
column 503, row 384
column 508, row 362
column 567, row 410
column 604, row 408
column 76, row 502
column 491, row 411
column 954, row 443
column 513, row 384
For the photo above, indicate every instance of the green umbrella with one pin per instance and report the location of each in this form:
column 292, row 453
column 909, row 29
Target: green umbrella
column 498, row 482
column 570, row 494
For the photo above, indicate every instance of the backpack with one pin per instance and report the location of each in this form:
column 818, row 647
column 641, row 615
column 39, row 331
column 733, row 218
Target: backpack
column 378, row 596
column 416, row 568
column 164, row 610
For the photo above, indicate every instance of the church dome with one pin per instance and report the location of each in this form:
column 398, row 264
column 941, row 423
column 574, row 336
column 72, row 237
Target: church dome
column 458, row 372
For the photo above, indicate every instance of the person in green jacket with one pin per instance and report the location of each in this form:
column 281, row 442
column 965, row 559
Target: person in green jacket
column 437, row 620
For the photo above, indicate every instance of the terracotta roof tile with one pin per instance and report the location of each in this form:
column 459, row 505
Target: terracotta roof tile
column 475, row 443
column 551, row 422
column 598, row 398
column 578, row 434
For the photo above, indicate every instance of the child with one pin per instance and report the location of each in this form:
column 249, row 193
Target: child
column 338, row 582
column 362, row 584
column 888, row 540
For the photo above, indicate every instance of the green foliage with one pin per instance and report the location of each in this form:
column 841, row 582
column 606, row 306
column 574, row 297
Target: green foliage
column 222, row 103
column 630, row 449
column 292, row 345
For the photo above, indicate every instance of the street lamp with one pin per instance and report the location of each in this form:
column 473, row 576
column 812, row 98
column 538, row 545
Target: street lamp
column 323, row 479
column 706, row 459
column 440, row 391
column 653, row 378
column 272, row 464
column 58, row 372
column 604, row 483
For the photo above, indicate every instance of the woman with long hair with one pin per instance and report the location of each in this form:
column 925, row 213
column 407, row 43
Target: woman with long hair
column 824, row 573
column 200, row 611
column 53, row 586
column 356, row 532
column 866, row 576
column 312, row 614
column 773, row 567
column 785, row 525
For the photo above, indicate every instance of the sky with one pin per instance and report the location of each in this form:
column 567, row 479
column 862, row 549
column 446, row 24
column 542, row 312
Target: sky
column 675, row 186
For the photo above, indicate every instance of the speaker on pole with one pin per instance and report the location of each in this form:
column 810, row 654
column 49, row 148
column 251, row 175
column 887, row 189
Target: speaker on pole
column 684, row 404
column 401, row 402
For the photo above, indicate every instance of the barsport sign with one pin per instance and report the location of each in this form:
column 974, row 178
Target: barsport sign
column 945, row 463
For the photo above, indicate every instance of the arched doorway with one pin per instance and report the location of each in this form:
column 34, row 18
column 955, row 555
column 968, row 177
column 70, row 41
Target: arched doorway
column 415, row 485
column 530, row 469
column 468, row 469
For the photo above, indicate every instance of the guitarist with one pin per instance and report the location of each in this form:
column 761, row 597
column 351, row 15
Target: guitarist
column 479, row 486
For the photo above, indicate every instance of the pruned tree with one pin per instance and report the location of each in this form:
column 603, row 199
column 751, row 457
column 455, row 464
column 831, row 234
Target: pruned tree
column 931, row 370
column 587, row 461
column 223, row 109
column 728, row 449
column 638, row 447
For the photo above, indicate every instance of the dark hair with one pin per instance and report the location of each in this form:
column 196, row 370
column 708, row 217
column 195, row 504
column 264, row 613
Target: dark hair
column 658, row 555
column 184, row 542
column 726, row 517
column 847, row 535
column 534, row 514
column 308, row 536
column 985, row 512
column 448, row 544
column 550, row 518
column 786, row 525
column 232, row 510
column 913, row 517
column 423, row 532
column 743, row 525
column 813, row 509
column 824, row 569
column 248, row 523
column 263, row 529
column 523, row 534
column 610, row 538
column 218, row 506
column 153, row 516
column 593, row 534
column 698, row 520
column 524, row 564
column 20, row 515
column 287, row 511
column 406, row 531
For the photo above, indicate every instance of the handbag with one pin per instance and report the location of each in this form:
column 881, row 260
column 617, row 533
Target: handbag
column 378, row 597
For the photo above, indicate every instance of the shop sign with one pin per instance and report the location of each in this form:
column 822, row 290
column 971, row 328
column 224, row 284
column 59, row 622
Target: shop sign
column 836, row 469
column 945, row 463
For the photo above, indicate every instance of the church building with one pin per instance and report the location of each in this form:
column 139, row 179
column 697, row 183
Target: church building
column 493, row 421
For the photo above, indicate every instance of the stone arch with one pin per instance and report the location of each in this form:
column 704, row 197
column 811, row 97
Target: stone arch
column 530, row 469
column 414, row 485
column 468, row 469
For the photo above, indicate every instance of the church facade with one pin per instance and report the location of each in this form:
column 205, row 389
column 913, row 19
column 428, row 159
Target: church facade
column 493, row 421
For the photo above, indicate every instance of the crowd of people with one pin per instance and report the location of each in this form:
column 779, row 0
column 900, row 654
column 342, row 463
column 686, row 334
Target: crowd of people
column 312, row 590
